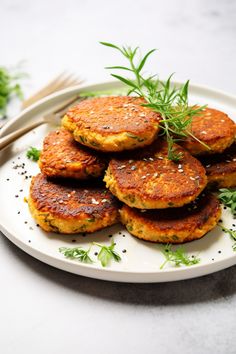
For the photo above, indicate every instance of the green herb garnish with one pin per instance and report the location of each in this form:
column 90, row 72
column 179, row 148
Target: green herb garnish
column 161, row 97
column 107, row 253
column 8, row 87
column 33, row 154
column 228, row 198
column 77, row 253
column 231, row 232
column 178, row 257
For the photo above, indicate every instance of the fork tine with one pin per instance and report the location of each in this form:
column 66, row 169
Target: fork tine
column 43, row 92
column 69, row 80
column 75, row 81
column 61, row 81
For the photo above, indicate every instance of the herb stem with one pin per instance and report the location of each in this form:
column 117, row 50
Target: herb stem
column 170, row 102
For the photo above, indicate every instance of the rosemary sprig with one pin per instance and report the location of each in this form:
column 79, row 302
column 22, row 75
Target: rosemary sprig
column 107, row 253
column 228, row 198
column 161, row 97
column 178, row 257
column 77, row 253
column 231, row 232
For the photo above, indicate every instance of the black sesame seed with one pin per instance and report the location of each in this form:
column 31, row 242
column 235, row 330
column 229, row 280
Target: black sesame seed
column 8, row 179
column 29, row 241
column 18, row 212
column 225, row 207
column 220, row 220
column 73, row 240
column 219, row 251
column 37, row 225
column 21, row 190
column 95, row 253
column 16, row 196
column 123, row 235
column 26, row 222
column 109, row 235
column 213, row 259
column 124, row 251
column 119, row 233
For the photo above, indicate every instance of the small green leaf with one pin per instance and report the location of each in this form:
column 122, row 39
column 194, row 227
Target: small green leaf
column 109, row 45
column 118, row 67
column 231, row 232
column 126, row 81
column 104, row 256
column 33, row 154
column 77, row 253
column 228, row 198
column 107, row 253
column 143, row 61
column 178, row 257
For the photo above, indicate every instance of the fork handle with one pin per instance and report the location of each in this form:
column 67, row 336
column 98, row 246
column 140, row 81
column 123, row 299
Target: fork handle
column 6, row 140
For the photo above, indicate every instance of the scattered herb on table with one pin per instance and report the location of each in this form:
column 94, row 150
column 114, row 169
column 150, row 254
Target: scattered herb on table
column 9, row 86
column 161, row 97
column 178, row 257
column 228, row 198
column 105, row 254
column 33, row 153
column 231, row 232
column 77, row 253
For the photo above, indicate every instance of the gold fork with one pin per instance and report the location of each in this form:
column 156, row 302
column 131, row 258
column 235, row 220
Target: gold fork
column 52, row 118
column 60, row 82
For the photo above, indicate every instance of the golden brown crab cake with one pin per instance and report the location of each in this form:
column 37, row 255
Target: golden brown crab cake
column 214, row 128
column 112, row 123
column 68, row 207
column 62, row 156
column 148, row 179
column 178, row 225
column 221, row 168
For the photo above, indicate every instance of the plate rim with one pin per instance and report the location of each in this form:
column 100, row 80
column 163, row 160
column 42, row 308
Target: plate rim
column 166, row 275
column 78, row 88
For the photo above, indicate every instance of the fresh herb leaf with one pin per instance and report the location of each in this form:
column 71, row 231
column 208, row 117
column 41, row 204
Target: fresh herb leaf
column 171, row 102
column 8, row 87
column 231, row 232
column 107, row 253
column 33, row 153
column 77, row 253
column 228, row 198
column 178, row 257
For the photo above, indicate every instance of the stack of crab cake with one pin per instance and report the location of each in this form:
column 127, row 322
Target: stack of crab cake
column 157, row 199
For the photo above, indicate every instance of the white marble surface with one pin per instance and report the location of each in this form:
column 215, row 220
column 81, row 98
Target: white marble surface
column 44, row 310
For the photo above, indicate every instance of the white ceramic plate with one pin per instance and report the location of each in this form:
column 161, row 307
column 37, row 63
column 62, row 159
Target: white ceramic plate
column 141, row 261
